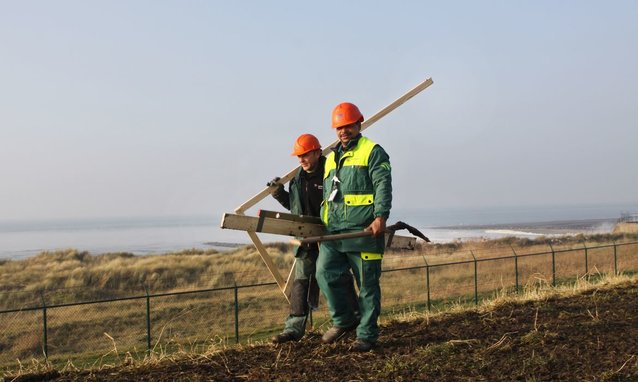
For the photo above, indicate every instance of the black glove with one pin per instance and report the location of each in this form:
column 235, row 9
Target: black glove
column 275, row 183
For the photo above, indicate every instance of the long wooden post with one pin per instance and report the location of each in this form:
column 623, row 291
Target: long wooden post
column 367, row 123
column 287, row 177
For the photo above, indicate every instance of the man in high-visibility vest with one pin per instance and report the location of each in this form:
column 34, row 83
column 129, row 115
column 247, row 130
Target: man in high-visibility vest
column 357, row 195
column 304, row 198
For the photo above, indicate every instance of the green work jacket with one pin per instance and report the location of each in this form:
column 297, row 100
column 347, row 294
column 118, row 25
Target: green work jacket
column 294, row 200
column 357, row 188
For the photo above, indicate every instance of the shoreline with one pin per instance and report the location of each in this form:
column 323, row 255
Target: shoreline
column 545, row 226
column 151, row 241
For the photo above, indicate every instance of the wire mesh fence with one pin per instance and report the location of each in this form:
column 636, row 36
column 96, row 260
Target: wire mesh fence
column 190, row 321
column 88, row 330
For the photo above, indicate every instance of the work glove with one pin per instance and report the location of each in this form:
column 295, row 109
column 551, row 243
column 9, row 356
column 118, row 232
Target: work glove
column 275, row 183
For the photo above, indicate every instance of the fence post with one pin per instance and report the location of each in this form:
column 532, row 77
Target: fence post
column 236, row 314
column 615, row 260
column 515, row 267
column 427, row 282
column 148, row 319
column 586, row 260
column 475, row 278
column 553, row 265
column 45, row 344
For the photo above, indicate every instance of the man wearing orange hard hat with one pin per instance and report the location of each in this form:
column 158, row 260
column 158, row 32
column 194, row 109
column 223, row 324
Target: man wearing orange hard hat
column 304, row 197
column 357, row 195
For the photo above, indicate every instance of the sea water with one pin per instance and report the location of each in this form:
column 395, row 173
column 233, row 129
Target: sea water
column 144, row 236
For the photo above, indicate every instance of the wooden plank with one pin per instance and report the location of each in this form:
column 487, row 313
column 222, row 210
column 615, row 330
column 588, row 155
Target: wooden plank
column 398, row 102
column 268, row 261
column 270, row 225
column 290, row 280
column 367, row 123
column 297, row 229
column 288, row 216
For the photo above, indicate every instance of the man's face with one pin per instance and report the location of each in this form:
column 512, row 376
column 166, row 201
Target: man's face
column 309, row 160
column 348, row 132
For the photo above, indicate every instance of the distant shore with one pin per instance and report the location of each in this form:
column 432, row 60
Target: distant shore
column 548, row 227
column 153, row 237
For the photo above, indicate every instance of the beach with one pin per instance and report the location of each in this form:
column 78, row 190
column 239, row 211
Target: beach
column 149, row 236
column 528, row 230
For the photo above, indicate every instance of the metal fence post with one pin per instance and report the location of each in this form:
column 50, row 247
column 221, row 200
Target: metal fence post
column 586, row 260
column 475, row 278
column 148, row 320
column 553, row 264
column 615, row 260
column 236, row 314
column 427, row 282
column 45, row 341
column 515, row 267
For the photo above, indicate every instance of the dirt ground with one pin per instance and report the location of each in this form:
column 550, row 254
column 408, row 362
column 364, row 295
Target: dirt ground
column 592, row 336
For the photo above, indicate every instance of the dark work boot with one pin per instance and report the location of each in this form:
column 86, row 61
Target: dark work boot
column 284, row 337
column 335, row 333
column 360, row 345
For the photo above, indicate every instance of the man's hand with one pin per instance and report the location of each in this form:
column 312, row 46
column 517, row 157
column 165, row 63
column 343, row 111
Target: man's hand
column 275, row 183
column 377, row 227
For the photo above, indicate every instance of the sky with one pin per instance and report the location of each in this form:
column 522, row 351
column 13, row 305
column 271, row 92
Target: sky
column 175, row 108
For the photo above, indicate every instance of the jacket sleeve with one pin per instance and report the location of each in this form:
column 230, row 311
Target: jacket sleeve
column 283, row 197
column 381, row 175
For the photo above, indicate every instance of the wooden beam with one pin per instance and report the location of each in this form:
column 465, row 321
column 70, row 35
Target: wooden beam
column 281, row 226
column 267, row 260
column 271, row 225
column 367, row 123
column 290, row 280
column 290, row 217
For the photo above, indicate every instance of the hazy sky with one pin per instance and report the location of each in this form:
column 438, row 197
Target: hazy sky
column 159, row 108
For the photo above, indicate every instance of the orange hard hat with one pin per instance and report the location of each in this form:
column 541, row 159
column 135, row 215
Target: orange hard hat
column 304, row 144
column 345, row 113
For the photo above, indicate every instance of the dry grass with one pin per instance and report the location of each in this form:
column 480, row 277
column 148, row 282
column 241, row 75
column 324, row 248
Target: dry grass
column 196, row 322
column 78, row 272
column 626, row 228
column 532, row 336
column 72, row 269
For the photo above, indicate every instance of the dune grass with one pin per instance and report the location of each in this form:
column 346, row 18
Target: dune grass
column 117, row 362
column 432, row 278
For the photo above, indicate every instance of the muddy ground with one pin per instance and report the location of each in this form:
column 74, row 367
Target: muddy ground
column 592, row 336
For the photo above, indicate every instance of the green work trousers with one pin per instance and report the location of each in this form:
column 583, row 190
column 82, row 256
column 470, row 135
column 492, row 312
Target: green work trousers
column 333, row 272
column 305, row 293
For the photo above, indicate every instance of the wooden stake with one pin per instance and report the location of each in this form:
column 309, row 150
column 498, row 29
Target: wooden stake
column 290, row 280
column 269, row 264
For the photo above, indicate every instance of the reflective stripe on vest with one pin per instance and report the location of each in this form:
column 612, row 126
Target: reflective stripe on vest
column 358, row 200
column 371, row 256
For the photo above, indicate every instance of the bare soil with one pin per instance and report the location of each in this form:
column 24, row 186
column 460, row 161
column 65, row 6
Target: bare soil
column 592, row 336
